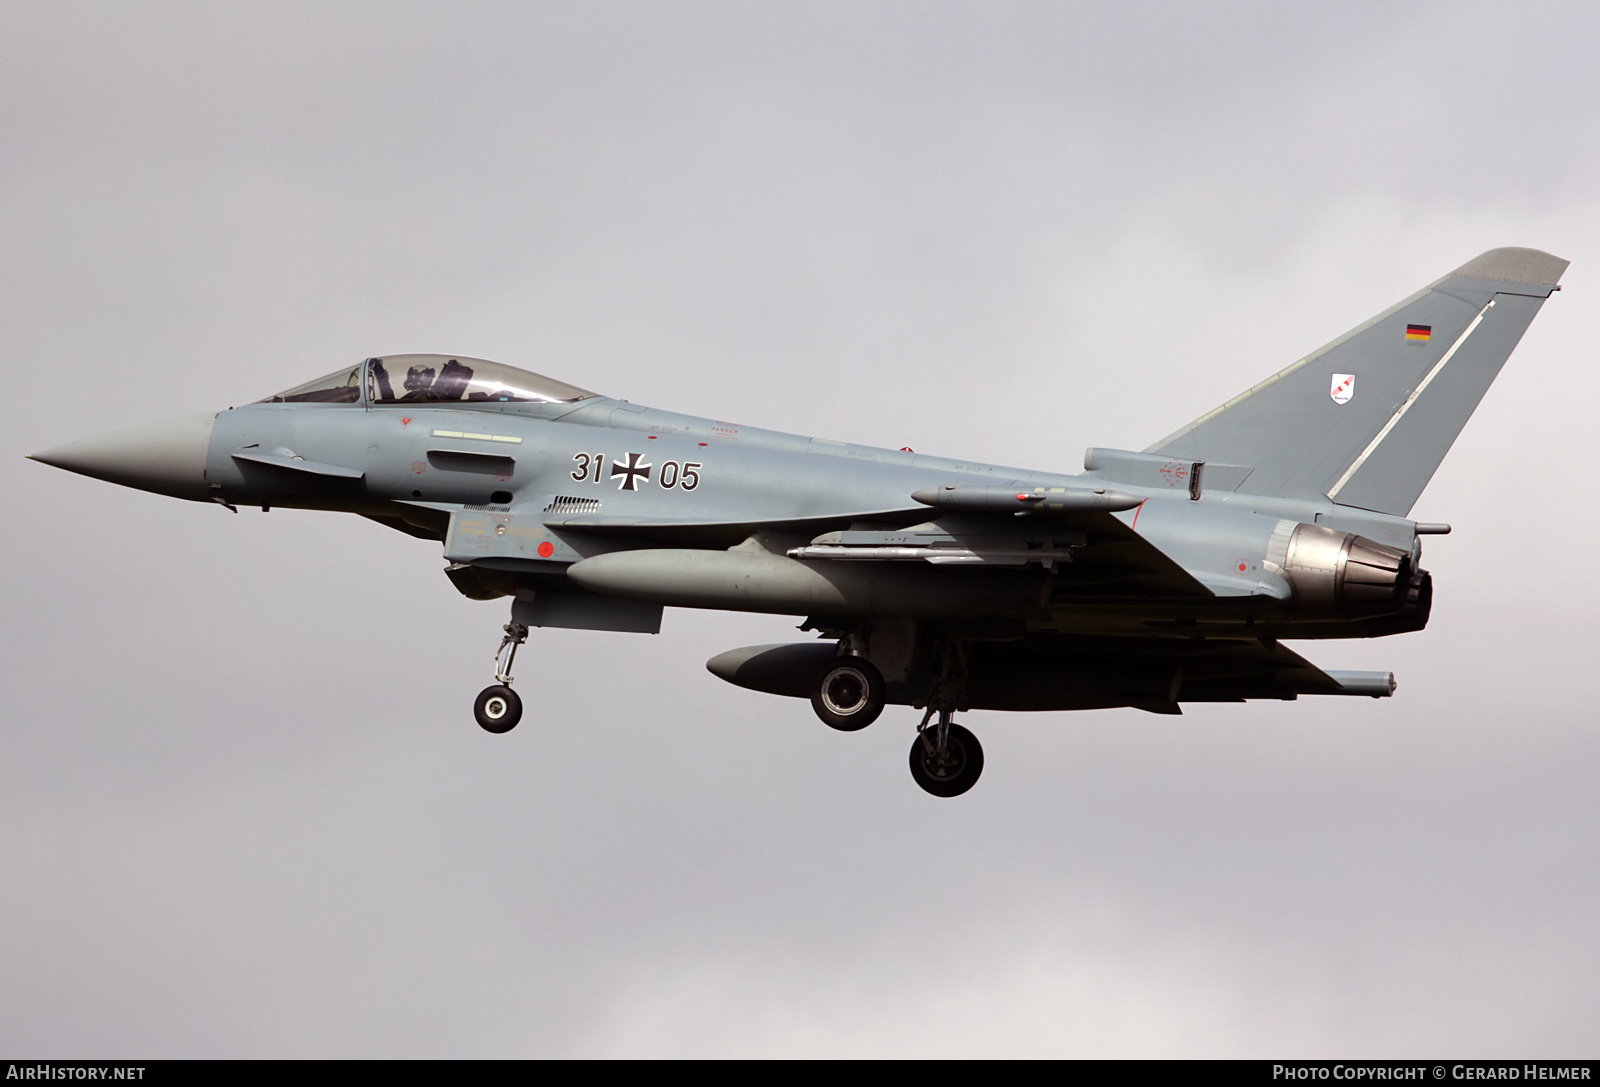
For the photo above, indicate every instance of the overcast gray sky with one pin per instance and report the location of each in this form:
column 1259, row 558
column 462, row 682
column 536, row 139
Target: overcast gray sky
column 244, row 809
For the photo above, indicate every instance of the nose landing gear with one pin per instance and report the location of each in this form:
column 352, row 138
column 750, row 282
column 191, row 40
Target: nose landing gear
column 498, row 709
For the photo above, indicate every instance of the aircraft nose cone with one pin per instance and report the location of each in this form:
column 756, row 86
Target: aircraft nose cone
column 167, row 458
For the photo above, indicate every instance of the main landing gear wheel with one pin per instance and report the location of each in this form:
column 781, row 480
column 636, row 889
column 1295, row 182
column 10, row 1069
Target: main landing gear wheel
column 953, row 770
column 849, row 695
column 498, row 708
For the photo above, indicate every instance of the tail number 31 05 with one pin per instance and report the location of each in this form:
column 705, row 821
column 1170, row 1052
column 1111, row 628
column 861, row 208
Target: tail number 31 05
column 591, row 467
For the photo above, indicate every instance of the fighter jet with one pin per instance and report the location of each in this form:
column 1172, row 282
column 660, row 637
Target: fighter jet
column 1174, row 574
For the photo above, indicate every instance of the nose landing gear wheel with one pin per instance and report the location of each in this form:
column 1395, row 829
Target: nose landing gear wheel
column 849, row 695
column 952, row 771
column 498, row 709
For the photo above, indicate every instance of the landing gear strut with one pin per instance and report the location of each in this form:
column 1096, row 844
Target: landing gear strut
column 498, row 709
column 946, row 759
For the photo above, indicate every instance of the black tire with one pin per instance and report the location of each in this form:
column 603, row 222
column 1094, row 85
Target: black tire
column 957, row 772
column 849, row 695
column 498, row 709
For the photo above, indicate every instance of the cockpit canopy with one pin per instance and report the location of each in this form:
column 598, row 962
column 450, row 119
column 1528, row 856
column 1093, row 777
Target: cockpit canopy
column 413, row 379
column 341, row 387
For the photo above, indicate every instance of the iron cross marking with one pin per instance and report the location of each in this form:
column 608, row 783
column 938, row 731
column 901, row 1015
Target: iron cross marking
column 631, row 472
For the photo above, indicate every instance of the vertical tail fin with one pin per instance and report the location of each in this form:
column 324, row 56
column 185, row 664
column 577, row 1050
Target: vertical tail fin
column 1366, row 419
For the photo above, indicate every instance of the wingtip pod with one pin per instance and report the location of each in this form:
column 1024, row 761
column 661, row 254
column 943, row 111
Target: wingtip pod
column 1368, row 684
column 1026, row 499
column 1516, row 265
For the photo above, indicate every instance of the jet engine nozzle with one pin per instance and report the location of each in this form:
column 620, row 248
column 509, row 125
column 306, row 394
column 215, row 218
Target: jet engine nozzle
column 1340, row 574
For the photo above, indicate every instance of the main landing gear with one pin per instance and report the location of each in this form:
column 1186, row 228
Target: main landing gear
column 946, row 759
column 850, row 694
column 498, row 709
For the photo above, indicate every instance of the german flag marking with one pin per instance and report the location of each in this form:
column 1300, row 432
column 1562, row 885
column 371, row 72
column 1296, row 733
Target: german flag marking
column 1419, row 333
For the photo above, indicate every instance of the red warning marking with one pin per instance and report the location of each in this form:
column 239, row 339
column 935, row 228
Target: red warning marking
column 652, row 437
column 1243, row 567
column 702, row 443
column 1137, row 510
column 546, row 549
column 405, row 420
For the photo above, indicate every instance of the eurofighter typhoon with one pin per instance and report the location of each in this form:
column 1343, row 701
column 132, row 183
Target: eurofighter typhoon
column 1154, row 578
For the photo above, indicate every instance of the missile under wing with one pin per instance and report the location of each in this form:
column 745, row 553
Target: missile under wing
column 1153, row 578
